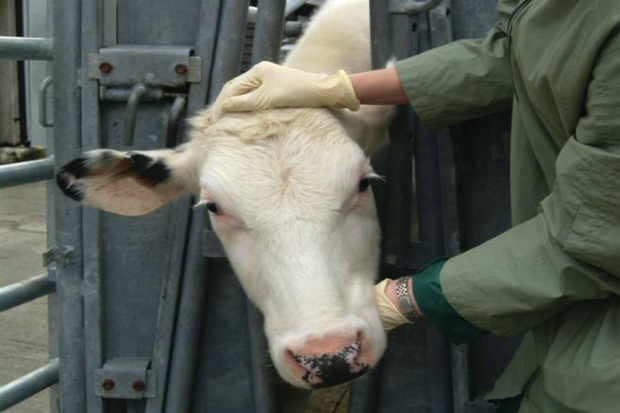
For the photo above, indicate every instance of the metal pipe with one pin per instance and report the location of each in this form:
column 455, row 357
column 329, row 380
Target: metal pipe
column 43, row 102
column 131, row 113
column 268, row 31
column 112, row 94
column 413, row 6
column 173, row 122
column 189, row 283
column 91, row 137
column 26, row 172
column 25, row 291
column 26, row 48
column 229, row 44
column 67, row 23
column 293, row 5
column 28, row 385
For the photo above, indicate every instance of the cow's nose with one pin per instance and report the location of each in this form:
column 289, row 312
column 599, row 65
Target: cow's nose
column 330, row 360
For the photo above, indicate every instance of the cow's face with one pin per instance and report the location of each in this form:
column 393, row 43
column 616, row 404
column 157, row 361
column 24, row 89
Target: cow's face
column 288, row 195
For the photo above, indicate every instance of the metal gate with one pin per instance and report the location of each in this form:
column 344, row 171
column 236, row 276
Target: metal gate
column 144, row 304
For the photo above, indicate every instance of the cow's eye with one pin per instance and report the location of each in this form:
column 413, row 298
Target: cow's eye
column 364, row 184
column 212, row 206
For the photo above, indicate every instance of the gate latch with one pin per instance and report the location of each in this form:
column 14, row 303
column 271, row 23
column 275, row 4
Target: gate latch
column 126, row 378
column 155, row 66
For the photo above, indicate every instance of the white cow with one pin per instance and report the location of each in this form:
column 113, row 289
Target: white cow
column 288, row 195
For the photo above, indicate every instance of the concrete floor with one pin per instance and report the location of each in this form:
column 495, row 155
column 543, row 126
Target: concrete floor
column 23, row 330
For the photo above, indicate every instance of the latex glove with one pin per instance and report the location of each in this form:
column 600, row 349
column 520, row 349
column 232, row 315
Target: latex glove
column 391, row 317
column 268, row 85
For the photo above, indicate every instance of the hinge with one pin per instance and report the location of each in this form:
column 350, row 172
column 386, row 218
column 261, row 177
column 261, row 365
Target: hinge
column 59, row 255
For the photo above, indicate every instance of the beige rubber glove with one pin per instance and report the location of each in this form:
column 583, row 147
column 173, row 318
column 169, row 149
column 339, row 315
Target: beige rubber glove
column 268, row 85
column 391, row 317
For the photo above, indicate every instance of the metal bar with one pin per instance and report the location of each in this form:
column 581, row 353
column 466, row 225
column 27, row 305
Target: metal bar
column 131, row 112
column 43, row 102
column 67, row 23
column 28, row 385
column 268, row 31
column 113, row 94
column 413, row 6
column 26, row 172
column 22, row 292
column 293, row 5
column 91, row 39
column 266, row 46
column 229, row 44
column 26, row 48
column 175, row 355
column 173, row 122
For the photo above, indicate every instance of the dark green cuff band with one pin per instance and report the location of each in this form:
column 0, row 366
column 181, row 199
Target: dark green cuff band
column 437, row 310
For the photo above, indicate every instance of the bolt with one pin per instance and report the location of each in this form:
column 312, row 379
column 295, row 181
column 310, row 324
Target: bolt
column 138, row 385
column 105, row 67
column 108, row 384
column 180, row 69
column 391, row 259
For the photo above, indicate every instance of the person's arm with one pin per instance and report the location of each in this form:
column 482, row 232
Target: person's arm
column 568, row 253
column 379, row 87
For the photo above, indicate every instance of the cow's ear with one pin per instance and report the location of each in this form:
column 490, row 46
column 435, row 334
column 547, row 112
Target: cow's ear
column 129, row 183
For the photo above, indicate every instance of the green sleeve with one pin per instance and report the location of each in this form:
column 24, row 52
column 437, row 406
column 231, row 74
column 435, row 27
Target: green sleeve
column 459, row 81
column 570, row 251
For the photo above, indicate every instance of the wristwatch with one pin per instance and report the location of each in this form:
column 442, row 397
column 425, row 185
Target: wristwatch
column 402, row 295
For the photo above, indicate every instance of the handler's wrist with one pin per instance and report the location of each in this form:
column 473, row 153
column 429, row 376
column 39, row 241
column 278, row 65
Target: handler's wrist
column 390, row 292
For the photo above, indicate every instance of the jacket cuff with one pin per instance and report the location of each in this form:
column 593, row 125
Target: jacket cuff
column 429, row 296
column 410, row 72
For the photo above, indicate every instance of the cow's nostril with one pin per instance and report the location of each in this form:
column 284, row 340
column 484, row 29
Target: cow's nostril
column 330, row 369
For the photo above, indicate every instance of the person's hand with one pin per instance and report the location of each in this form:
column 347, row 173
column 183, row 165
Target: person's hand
column 387, row 304
column 268, row 85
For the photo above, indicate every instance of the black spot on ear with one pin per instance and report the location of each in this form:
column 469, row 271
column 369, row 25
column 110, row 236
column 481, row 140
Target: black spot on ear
column 65, row 179
column 150, row 171
column 64, row 183
column 76, row 167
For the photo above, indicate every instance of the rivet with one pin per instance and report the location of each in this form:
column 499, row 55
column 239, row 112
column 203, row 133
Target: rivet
column 180, row 69
column 105, row 67
column 391, row 259
column 108, row 384
column 138, row 385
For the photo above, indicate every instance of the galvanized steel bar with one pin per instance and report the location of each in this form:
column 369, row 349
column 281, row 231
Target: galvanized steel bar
column 230, row 41
column 26, row 48
column 45, row 84
column 268, row 31
column 91, row 29
column 131, row 112
column 173, row 121
column 267, row 43
column 293, row 5
column 174, row 356
column 68, row 215
column 28, row 385
column 28, row 290
column 26, row 172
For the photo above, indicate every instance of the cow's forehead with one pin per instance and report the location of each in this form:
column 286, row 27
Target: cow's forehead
column 310, row 163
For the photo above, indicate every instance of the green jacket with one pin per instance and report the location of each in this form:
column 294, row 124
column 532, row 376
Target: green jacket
column 556, row 275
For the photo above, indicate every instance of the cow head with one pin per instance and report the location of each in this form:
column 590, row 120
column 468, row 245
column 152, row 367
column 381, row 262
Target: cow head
column 288, row 194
